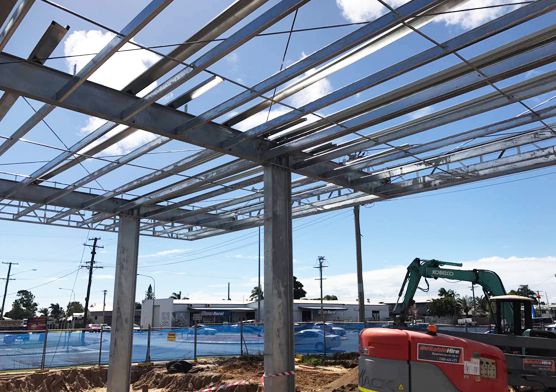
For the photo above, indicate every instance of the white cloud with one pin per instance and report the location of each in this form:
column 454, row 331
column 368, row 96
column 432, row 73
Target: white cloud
column 365, row 10
column 421, row 112
column 116, row 73
column 471, row 19
column 167, row 252
column 309, row 94
column 383, row 284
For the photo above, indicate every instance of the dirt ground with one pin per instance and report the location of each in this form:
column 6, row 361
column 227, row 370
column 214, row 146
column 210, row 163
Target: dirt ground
column 334, row 376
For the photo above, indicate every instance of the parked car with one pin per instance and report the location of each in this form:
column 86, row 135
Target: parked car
column 313, row 339
column 204, row 330
column 136, row 327
column 330, row 328
column 94, row 327
column 107, row 328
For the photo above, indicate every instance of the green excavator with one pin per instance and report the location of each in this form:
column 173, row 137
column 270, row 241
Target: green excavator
column 418, row 269
column 530, row 354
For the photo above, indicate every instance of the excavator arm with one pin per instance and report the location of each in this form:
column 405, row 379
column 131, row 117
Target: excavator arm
column 488, row 280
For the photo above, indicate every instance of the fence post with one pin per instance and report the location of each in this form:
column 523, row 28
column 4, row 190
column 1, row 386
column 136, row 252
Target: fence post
column 241, row 338
column 100, row 345
column 195, row 342
column 44, row 348
column 148, row 355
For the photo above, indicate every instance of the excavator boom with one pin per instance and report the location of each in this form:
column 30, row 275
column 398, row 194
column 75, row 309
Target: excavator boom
column 418, row 269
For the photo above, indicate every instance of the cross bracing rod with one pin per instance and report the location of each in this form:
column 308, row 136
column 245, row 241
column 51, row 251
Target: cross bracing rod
column 101, row 101
column 526, row 137
column 481, row 171
column 498, row 70
column 227, row 19
column 369, row 31
column 420, row 94
column 500, row 167
column 34, row 193
column 137, row 106
column 387, row 174
column 457, row 43
column 319, row 56
column 64, row 91
column 378, row 159
column 473, row 151
column 528, row 42
column 138, row 152
column 520, row 91
column 43, row 49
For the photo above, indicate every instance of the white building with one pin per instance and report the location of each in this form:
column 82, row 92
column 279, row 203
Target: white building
column 170, row 312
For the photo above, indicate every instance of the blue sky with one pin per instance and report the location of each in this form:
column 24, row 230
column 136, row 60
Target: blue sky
column 506, row 224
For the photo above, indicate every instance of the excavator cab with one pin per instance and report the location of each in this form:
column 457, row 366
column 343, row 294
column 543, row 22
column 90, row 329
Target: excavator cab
column 513, row 314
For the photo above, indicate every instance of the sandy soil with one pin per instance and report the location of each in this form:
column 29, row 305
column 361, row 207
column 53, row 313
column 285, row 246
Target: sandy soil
column 331, row 378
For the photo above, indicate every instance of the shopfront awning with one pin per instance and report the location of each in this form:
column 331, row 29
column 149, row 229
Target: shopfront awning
column 225, row 309
column 324, row 308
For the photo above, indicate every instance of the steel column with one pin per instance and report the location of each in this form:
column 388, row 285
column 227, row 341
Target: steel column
column 123, row 312
column 278, row 278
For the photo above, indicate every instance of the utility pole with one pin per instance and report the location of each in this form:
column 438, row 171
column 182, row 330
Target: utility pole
column 229, row 299
column 90, row 266
column 360, row 290
column 6, row 287
column 320, row 266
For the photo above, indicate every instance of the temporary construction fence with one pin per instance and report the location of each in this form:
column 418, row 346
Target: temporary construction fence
column 62, row 348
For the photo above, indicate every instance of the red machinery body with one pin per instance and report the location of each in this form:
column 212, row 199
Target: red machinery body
column 394, row 360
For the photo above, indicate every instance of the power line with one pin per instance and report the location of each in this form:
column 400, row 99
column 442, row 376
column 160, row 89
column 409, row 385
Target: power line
column 267, row 34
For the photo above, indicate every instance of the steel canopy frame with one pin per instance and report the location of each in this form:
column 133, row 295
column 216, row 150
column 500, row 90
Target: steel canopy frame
column 334, row 173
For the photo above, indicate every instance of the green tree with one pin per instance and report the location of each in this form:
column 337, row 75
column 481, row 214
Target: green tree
column 465, row 304
column 74, row 307
column 298, row 291
column 57, row 312
column 176, row 295
column 446, row 305
column 24, row 306
column 43, row 312
column 256, row 294
column 138, row 305
column 330, row 298
column 149, row 294
column 525, row 291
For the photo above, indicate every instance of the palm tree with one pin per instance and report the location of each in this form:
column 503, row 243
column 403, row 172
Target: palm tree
column 256, row 294
column 465, row 304
column 176, row 295
column 57, row 312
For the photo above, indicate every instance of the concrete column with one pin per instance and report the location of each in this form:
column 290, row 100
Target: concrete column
column 123, row 308
column 278, row 278
column 360, row 290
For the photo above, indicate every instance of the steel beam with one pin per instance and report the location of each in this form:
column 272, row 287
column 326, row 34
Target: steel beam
column 278, row 280
column 378, row 159
column 420, row 94
column 137, row 106
column 123, row 310
column 453, row 45
column 192, row 45
column 473, row 151
column 44, row 48
column 369, row 31
column 68, row 88
column 14, row 18
column 101, row 101
column 342, row 61
column 210, row 31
